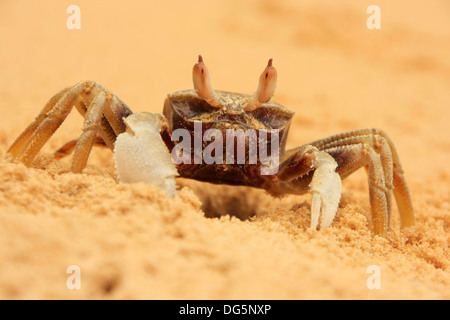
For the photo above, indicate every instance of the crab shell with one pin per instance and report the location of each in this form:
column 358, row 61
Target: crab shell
column 183, row 108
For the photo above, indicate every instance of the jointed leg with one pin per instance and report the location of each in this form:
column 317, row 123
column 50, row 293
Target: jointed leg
column 18, row 145
column 395, row 179
column 348, row 164
column 351, row 157
column 309, row 169
column 114, row 111
column 370, row 148
column 103, row 114
column 49, row 121
column 69, row 146
column 91, row 125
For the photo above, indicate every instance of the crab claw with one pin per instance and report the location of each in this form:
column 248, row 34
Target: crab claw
column 140, row 153
column 326, row 188
column 266, row 88
column 202, row 83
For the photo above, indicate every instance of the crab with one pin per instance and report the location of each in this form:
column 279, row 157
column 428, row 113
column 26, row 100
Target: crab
column 146, row 149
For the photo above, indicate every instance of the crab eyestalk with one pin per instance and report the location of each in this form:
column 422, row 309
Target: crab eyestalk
column 202, row 84
column 266, row 88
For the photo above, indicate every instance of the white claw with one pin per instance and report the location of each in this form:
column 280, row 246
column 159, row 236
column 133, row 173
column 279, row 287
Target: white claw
column 140, row 153
column 326, row 188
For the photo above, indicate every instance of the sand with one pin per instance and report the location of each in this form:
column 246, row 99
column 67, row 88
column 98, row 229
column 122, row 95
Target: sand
column 133, row 242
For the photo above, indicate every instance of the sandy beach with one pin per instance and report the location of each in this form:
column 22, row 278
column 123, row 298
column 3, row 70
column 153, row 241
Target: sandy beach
column 131, row 241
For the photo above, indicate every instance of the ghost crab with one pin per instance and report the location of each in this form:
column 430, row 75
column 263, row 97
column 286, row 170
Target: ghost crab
column 142, row 141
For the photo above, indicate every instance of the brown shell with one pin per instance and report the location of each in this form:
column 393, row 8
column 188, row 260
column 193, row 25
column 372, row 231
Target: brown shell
column 183, row 108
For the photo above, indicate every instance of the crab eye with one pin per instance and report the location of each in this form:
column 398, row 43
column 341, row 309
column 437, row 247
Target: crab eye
column 266, row 88
column 267, row 83
column 202, row 83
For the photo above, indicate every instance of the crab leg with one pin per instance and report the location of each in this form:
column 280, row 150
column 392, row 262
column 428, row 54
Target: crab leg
column 22, row 140
column 379, row 141
column 69, row 146
column 349, row 165
column 103, row 113
column 370, row 148
column 92, row 121
column 310, row 169
column 47, row 123
column 355, row 156
column 298, row 175
column 114, row 111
